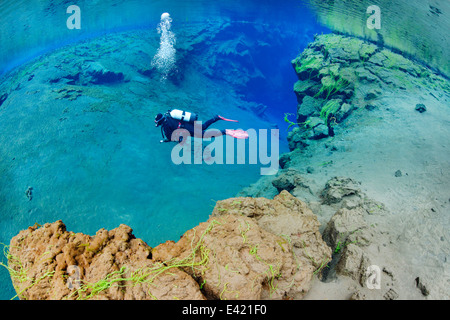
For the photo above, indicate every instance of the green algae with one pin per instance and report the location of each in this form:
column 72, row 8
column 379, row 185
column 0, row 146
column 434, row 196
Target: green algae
column 19, row 274
column 309, row 64
column 331, row 85
column 330, row 108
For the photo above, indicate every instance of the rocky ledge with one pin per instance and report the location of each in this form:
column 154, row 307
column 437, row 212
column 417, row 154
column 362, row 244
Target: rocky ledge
column 338, row 75
column 244, row 251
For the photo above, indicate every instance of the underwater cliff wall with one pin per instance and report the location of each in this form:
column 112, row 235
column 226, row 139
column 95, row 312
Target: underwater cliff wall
column 415, row 27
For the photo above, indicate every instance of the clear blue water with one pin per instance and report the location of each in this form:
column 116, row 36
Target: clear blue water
column 114, row 171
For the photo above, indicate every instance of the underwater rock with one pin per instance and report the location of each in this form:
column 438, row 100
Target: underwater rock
column 296, row 139
column 319, row 131
column 314, row 122
column 353, row 263
column 257, row 108
column 358, row 296
column 346, row 226
column 365, row 75
column 69, row 75
column 70, row 93
column 371, row 106
column 372, row 94
column 236, row 52
column 254, row 263
column 309, row 63
column 339, row 187
column 284, row 160
column 348, row 233
column 345, row 110
column 49, row 262
column 344, row 193
column 349, row 70
column 286, row 215
column 148, row 72
column 419, row 107
column 420, row 285
column 305, row 88
column 310, row 107
column 289, row 180
column 261, row 188
column 84, row 73
column 286, row 181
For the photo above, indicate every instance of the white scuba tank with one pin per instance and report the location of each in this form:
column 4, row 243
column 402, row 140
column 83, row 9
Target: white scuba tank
column 183, row 115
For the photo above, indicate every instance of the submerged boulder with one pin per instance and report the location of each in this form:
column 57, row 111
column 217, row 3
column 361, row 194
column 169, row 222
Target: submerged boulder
column 49, row 262
column 309, row 107
column 346, row 226
column 288, row 180
column 284, row 215
column 237, row 259
column 337, row 188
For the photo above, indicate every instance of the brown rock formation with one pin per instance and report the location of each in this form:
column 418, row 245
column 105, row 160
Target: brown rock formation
column 105, row 266
column 260, row 249
column 285, row 216
column 241, row 260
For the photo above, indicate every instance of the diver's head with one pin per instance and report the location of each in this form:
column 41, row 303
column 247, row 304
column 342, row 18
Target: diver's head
column 159, row 119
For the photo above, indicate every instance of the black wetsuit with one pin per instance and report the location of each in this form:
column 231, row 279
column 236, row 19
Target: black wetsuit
column 169, row 125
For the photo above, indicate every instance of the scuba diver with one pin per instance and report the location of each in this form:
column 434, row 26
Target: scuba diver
column 178, row 119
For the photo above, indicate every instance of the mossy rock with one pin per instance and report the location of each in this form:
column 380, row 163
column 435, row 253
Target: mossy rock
column 366, row 51
column 378, row 59
column 397, row 61
column 330, row 108
column 305, row 88
column 314, row 122
column 310, row 106
column 334, row 69
column 341, row 48
column 345, row 110
column 308, row 66
column 332, row 85
column 393, row 60
column 365, row 75
column 352, row 46
column 328, row 41
column 328, row 81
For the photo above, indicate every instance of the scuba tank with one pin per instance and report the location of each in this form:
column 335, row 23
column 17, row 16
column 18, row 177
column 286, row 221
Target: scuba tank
column 183, row 115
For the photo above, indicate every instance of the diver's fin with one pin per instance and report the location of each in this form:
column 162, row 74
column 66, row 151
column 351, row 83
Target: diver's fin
column 225, row 119
column 238, row 134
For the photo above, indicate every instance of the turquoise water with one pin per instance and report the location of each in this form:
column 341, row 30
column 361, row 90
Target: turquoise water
column 92, row 157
